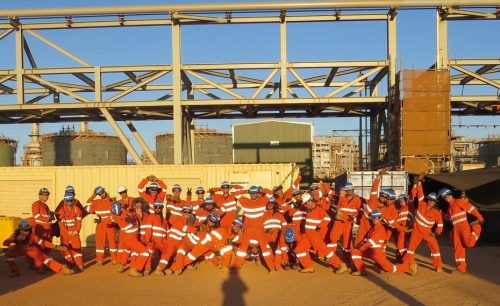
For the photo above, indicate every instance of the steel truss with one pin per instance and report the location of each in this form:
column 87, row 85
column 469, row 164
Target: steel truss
column 183, row 92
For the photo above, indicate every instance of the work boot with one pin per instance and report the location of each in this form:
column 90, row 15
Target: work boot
column 273, row 272
column 342, row 269
column 67, row 271
column 439, row 269
column 177, row 272
column 14, row 273
column 191, row 267
column 159, row 271
column 413, row 268
column 147, row 271
column 80, row 267
column 99, row 263
column 257, row 262
column 133, row 272
column 286, row 266
column 169, row 272
column 307, row 270
column 359, row 273
column 121, row 268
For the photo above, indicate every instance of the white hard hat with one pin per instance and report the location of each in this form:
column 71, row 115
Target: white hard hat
column 307, row 197
column 121, row 188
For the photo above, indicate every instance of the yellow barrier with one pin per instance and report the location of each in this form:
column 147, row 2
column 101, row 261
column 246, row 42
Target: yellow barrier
column 7, row 227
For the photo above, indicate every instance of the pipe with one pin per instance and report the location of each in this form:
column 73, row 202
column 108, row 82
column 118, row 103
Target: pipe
column 238, row 6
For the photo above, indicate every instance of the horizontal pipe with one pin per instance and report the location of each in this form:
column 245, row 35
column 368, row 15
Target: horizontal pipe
column 238, row 6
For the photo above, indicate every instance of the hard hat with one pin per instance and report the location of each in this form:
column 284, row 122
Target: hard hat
column 187, row 208
column 68, row 197
column 69, row 189
column 154, row 186
column 225, row 185
column 296, row 192
column 289, row 235
column 391, row 193
column 276, row 188
column 308, row 197
column 200, row 190
column 432, row 197
column 121, row 189
column 214, row 217
column 238, row 222
column 402, row 196
column 253, row 190
column 116, row 208
column 376, row 214
column 209, row 201
column 158, row 204
column 314, row 186
column 43, row 191
column 99, row 190
column 272, row 200
column 24, row 225
column 176, row 186
column 348, row 186
column 445, row 192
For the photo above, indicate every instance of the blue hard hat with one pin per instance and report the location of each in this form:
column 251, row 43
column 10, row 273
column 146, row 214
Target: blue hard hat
column 348, row 186
column 24, row 225
column 68, row 197
column 289, row 235
column 392, row 194
column 238, row 222
column 214, row 217
column 432, row 197
column 209, row 201
column 253, row 190
column 445, row 192
column 376, row 214
column 116, row 208
column 225, row 184
column 99, row 190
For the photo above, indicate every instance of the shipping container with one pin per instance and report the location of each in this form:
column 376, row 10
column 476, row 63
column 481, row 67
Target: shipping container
column 363, row 181
column 19, row 186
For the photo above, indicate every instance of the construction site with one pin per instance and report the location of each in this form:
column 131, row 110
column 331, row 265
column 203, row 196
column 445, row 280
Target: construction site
column 198, row 112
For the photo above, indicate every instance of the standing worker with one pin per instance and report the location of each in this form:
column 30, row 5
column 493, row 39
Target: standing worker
column 125, row 200
column 154, row 193
column 104, row 228
column 42, row 215
column 70, row 224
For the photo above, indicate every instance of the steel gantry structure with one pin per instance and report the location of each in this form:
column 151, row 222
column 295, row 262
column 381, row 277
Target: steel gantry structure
column 182, row 92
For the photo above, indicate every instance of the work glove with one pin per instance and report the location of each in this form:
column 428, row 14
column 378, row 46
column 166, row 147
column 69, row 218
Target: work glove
column 191, row 219
column 189, row 192
column 61, row 248
column 97, row 219
column 152, row 178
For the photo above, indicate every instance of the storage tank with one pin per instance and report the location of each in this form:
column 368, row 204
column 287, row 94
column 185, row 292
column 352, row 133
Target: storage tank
column 275, row 142
column 8, row 149
column 210, row 147
column 489, row 152
column 83, row 148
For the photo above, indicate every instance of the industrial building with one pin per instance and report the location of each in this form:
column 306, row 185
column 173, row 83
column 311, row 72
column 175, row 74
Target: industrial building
column 210, row 147
column 32, row 155
column 275, row 142
column 8, row 148
column 333, row 155
column 489, row 151
column 82, row 148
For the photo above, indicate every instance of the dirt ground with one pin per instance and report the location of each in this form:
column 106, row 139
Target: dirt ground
column 102, row 285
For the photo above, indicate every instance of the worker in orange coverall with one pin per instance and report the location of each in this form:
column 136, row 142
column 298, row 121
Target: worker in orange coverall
column 155, row 229
column 226, row 202
column 232, row 244
column 373, row 247
column 71, row 190
column 348, row 207
column 125, row 199
column 70, row 223
column 25, row 243
column 316, row 224
column 464, row 235
column 405, row 217
column 105, row 227
column 42, row 215
column 427, row 215
column 253, row 210
column 155, row 192
column 129, row 224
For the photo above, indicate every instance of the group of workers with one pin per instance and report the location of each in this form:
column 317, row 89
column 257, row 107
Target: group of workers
column 229, row 225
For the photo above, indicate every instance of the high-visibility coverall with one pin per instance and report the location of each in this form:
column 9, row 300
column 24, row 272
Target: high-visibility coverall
column 364, row 218
column 227, row 205
column 425, row 219
column 147, row 197
column 273, row 224
column 30, row 247
column 316, row 225
column 226, row 251
column 373, row 247
column 76, row 202
column 347, row 210
column 174, row 211
column 405, row 217
column 70, row 224
column 175, row 234
column 213, row 241
column 105, row 228
column 41, row 213
column 154, row 235
column 464, row 235
column 129, row 224
column 253, row 211
column 187, row 244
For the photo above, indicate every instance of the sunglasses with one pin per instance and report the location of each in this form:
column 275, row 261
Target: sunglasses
column 158, row 206
column 224, row 188
column 200, row 192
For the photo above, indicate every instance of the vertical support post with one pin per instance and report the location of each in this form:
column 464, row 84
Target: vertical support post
column 283, row 57
column 374, row 140
column 442, row 41
column 191, row 139
column 360, row 144
column 177, row 91
column 20, row 64
column 391, row 134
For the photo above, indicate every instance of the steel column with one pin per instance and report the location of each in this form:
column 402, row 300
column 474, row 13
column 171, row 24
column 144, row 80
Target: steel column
column 283, row 57
column 392, row 134
column 20, row 65
column 177, row 91
column 441, row 41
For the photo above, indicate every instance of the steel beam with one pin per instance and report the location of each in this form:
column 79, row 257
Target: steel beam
column 141, row 142
column 20, row 65
column 177, row 91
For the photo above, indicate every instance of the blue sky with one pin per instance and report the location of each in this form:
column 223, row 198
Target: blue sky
column 258, row 43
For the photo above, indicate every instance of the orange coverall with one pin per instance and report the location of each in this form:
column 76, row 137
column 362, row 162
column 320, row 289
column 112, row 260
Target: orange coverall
column 70, row 220
column 364, row 219
column 342, row 228
column 130, row 239
column 155, row 229
column 147, row 197
column 41, row 214
column 105, row 228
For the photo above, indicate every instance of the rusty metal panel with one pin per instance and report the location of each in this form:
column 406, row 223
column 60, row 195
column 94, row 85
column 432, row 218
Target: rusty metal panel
column 416, row 165
column 425, row 143
column 85, row 178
